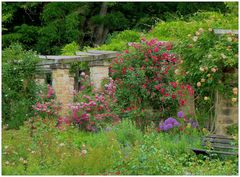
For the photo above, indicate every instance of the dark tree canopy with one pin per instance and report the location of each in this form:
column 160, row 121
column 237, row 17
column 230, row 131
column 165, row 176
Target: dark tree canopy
column 47, row 26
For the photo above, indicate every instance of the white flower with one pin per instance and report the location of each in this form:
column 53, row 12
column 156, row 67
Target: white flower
column 177, row 72
column 206, row 98
column 84, row 152
column 197, row 33
column 210, row 29
column 83, row 74
column 7, row 162
column 21, row 159
column 213, row 70
column 25, row 162
column 223, row 56
column 209, row 56
column 6, row 147
column 229, row 39
column 195, row 38
column 203, row 80
column 201, row 30
column 199, row 84
column 209, row 75
column 201, row 69
column 61, row 145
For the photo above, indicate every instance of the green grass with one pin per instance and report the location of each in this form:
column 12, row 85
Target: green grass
column 121, row 150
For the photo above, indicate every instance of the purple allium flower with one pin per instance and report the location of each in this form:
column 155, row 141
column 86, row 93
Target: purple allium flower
column 168, row 124
column 161, row 126
column 193, row 123
column 167, row 127
column 171, row 121
column 180, row 114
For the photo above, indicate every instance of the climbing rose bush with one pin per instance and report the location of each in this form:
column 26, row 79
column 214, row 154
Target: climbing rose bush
column 47, row 106
column 145, row 78
column 92, row 111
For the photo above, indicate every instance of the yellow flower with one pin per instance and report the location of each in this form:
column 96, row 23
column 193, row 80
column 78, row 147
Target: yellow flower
column 197, row 33
column 201, row 30
column 201, row 69
column 203, row 80
column 234, row 100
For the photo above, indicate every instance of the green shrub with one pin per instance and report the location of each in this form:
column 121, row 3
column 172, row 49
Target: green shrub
column 70, row 49
column 19, row 89
column 127, row 133
column 209, row 64
column 179, row 29
column 119, row 41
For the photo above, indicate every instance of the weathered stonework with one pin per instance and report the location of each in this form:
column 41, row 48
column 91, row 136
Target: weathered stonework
column 226, row 114
column 63, row 84
column 98, row 72
column 40, row 79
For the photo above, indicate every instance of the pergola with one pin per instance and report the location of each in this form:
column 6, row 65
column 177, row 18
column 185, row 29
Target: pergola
column 63, row 80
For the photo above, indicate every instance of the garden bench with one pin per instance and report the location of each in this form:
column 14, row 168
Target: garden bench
column 218, row 144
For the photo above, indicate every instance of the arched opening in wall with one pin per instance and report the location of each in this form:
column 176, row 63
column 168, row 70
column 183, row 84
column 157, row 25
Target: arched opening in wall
column 49, row 78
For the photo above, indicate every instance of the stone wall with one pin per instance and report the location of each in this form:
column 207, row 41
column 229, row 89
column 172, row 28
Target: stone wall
column 63, row 84
column 40, row 78
column 226, row 114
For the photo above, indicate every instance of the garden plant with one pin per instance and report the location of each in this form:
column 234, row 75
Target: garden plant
column 140, row 122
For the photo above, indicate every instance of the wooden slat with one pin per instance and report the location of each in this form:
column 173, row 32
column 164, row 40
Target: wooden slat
column 222, row 146
column 213, row 140
column 204, row 151
column 224, row 31
column 220, row 137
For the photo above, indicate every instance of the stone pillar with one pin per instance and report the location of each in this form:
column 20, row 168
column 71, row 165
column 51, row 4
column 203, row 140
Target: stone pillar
column 99, row 70
column 226, row 114
column 63, row 84
column 40, row 78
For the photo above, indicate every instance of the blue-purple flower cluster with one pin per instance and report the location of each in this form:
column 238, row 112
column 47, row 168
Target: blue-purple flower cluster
column 168, row 124
column 172, row 122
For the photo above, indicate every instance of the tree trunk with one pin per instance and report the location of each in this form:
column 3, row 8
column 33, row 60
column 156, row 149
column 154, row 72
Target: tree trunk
column 100, row 30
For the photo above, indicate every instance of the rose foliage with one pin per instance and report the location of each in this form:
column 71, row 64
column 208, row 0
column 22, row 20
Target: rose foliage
column 145, row 79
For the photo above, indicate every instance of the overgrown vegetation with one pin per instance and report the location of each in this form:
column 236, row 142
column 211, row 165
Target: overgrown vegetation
column 136, row 125
column 19, row 88
column 118, row 150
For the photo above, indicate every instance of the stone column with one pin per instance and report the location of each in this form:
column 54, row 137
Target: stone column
column 226, row 114
column 63, row 85
column 40, row 78
column 99, row 70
